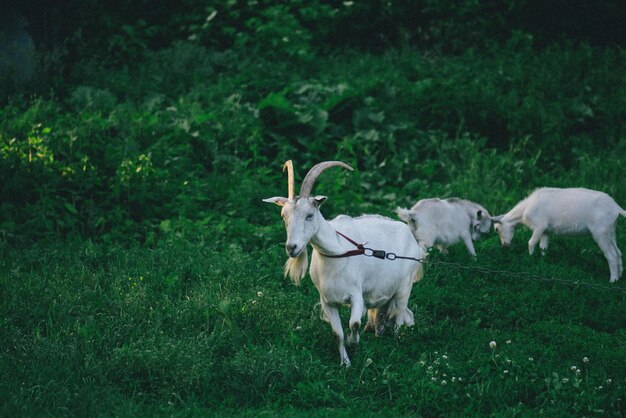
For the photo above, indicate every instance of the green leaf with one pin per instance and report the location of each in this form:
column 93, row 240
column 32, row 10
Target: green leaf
column 70, row 208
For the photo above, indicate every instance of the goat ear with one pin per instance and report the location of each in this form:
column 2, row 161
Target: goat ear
column 280, row 201
column 497, row 219
column 318, row 200
column 479, row 215
column 403, row 214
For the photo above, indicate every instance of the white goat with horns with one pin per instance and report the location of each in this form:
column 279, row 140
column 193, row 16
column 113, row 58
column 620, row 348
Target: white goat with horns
column 572, row 211
column 382, row 286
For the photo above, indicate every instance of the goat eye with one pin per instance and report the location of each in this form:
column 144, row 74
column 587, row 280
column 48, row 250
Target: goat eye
column 309, row 217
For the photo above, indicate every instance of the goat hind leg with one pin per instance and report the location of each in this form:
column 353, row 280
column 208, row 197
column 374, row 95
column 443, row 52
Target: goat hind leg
column 370, row 326
column 611, row 253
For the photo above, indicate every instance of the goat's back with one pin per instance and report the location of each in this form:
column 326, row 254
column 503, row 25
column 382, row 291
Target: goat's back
column 439, row 221
column 570, row 210
column 377, row 279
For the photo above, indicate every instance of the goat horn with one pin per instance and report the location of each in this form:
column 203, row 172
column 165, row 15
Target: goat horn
column 311, row 176
column 289, row 166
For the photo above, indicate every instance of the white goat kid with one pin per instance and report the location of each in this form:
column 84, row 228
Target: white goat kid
column 443, row 222
column 381, row 286
column 572, row 211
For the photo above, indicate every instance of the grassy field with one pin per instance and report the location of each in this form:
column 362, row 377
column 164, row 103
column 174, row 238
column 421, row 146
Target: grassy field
column 141, row 273
column 189, row 326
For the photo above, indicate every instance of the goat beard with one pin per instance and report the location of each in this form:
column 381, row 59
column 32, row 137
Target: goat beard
column 296, row 267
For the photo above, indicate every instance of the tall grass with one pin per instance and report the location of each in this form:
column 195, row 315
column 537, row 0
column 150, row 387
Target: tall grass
column 193, row 326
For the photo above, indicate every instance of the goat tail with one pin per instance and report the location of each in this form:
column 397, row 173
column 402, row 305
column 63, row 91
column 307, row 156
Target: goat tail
column 623, row 213
column 419, row 273
column 296, row 267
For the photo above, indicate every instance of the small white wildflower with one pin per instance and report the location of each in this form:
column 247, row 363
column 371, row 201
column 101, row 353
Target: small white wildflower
column 298, row 328
column 492, row 345
column 508, row 341
column 564, row 380
column 434, row 379
column 460, row 379
column 600, row 387
column 508, row 361
column 506, row 372
column 259, row 294
column 585, row 359
column 422, row 362
column 530, row 359
column 573, row 368
column 348, row 3
column 453, row 379
column 443, row 383
column 577, row 371
column 368, row 362
column 608, row 381
column 444, row 357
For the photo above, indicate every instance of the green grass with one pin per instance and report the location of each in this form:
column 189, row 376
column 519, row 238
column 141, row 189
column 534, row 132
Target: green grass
column 191, row 327
column 141, row 273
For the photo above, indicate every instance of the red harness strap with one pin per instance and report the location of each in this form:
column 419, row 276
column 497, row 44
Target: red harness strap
column 360, row 248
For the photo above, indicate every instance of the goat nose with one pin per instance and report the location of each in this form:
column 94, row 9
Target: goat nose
column 291, row 248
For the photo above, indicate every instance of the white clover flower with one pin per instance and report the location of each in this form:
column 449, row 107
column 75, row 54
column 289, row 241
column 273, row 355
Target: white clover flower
column 577, row 371
column 585, row 359
column 573, row 368
column 564, row 380
column 444, row 357
column 434, row 379
column 460, row 379
column 506, row 372
column 608, row 381
column 508, row 341
column 443, row 383
column 492, row 345
column 530, row 359
column 259, row 294
column 453, row 379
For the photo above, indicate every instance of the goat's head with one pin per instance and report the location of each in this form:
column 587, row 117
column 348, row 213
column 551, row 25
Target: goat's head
column 504, row 228
column 301, row 213
column 481, row 224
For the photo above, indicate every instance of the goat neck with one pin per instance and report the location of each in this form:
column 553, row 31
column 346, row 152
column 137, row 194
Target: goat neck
column 326, row 240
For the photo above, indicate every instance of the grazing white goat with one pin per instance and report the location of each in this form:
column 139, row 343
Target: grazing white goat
column 573, row 211
column 443, row 222
column 381, row 286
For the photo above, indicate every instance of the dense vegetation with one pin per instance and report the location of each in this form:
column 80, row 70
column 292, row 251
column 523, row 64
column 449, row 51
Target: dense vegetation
column 140, row 273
